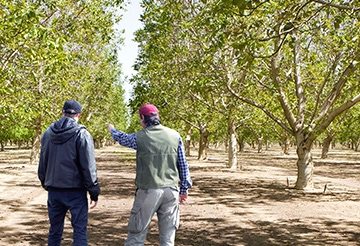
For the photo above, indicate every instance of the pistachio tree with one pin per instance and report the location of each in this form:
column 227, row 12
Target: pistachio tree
column 310, row 50
column 52, row 51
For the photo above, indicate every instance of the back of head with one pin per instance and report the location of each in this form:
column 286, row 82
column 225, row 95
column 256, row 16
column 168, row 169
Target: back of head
column 65, row 128
column 150, row 114
column 71, row 108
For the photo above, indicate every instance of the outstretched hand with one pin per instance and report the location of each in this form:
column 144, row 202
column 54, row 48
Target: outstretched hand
column 110, row 127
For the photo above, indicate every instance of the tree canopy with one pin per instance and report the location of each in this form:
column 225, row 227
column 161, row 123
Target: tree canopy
column 52, row 51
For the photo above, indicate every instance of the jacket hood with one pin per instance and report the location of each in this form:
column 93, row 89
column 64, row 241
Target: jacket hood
column 63, row 130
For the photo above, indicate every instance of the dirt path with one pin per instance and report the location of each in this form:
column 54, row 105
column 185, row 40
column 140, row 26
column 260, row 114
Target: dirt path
column 253, row 206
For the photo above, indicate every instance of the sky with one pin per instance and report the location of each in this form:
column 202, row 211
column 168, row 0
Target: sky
column 130, row 22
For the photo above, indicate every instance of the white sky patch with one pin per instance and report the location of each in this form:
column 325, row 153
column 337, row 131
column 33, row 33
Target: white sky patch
column 127, row 55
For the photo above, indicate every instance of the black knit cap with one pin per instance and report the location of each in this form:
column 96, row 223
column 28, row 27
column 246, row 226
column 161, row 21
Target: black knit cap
column 72, row 107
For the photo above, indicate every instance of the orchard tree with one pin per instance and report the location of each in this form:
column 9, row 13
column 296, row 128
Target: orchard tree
column 308, row 53
column 56, row 50
column 349, row 134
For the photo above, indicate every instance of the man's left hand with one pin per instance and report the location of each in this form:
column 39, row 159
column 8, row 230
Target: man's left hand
column 93, row 204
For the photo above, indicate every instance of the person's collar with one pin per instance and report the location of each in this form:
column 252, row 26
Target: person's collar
column 154, row 125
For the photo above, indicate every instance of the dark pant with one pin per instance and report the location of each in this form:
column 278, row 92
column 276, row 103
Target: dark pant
column 59, row 202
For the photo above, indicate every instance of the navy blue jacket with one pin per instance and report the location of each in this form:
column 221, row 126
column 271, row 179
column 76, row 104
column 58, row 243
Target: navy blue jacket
column 67, row 160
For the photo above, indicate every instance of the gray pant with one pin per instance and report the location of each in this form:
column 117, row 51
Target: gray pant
column 165, row 202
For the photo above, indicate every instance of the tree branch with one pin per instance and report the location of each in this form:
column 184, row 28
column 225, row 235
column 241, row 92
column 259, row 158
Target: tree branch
column 255, row 8
column 187, row 121
column 261, row 107
column 326, row 79
column 333, row 96
column 48, row 18
column 337, row 111
column 261, row 82
column 298, row 82
column 4, row 64
column 206, row 103
column 282, row 98
column 338, row 6
column 276, row 50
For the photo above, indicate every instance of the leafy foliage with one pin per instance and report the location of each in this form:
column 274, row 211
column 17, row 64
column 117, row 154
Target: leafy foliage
column 52, row 51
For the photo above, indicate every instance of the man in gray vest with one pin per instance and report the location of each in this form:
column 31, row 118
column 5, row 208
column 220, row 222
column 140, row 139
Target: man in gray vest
column 162, row 177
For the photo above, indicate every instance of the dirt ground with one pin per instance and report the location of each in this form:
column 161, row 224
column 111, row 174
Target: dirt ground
column 251, row 206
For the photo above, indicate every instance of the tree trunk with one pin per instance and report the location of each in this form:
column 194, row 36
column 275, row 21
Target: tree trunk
column 357, row 145
column 35, row 150
column 203, row 143
column 267, row 145
column 188, row 142
column 241, row 144
column 305, row 163
column 2, row 145
column 285, row 146
column 232, row 153
column 97, row 143
column 326, row 146
column 253, row 144
column 260, row 144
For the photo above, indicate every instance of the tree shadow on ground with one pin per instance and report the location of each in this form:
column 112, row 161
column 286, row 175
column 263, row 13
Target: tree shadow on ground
column 31, row 229
column 328, row 169
column 251, row 192
column 105, row 227
column 284, row 232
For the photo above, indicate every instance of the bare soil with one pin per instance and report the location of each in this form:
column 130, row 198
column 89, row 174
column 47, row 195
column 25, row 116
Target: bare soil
column 252, row 206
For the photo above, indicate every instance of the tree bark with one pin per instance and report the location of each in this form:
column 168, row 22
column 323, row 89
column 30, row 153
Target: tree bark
column 232, row 153
column 35, row 150
column 326, row 146
column 260, row 144
column 285, row 145
column 188, row 142
column 203, row 143
column 267, row 144
column 305, row 164
column 241, row 144
column 357, row 143
column 253, row 144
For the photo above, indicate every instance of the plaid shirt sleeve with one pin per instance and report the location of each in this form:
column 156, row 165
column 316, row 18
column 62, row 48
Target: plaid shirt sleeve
column 127, row 140
column 183, row 167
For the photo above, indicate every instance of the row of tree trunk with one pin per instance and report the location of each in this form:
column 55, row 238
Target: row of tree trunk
column 304, row 144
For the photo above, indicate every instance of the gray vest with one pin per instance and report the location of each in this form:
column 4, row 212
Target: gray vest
column 156, row 158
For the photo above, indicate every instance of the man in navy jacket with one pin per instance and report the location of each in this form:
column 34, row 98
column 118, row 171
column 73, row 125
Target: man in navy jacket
column 67, row 170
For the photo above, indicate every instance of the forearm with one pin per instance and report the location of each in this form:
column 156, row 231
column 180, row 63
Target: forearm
column 184, row 173
column 124, row 139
